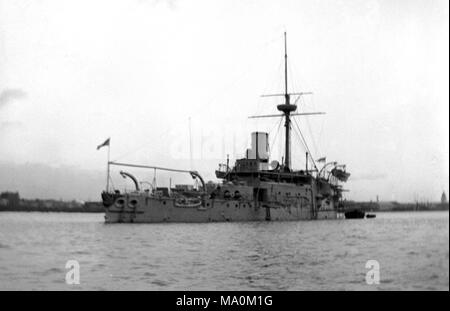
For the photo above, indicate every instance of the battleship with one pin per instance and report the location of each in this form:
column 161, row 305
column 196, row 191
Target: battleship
column 253, row 189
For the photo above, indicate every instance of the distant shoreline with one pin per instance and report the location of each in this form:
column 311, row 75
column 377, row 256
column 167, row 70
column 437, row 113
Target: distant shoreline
column 78, row 209
column 69, row 212
column 98, row 212
column 97, row 207
column 395, row 206
column 11, row 202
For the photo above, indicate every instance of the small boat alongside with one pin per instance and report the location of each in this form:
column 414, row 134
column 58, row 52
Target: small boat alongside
column 371, row 216
column 354, row 214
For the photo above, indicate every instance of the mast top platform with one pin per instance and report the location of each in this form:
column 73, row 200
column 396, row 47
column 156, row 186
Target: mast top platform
column 287, row 108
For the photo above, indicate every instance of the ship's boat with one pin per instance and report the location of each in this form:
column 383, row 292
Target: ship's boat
column 356, row 213
column 371, row 216
column 340, row 174
column 253, row 189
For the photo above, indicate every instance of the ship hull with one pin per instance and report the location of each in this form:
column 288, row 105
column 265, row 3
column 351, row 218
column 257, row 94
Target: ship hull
column 163, row 210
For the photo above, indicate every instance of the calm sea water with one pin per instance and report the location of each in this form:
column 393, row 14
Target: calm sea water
column 411, row 248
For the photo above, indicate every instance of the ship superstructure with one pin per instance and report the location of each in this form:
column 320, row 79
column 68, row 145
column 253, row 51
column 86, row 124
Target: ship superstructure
column 253, row 189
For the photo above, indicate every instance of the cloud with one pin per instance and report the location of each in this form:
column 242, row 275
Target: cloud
column 8, row 95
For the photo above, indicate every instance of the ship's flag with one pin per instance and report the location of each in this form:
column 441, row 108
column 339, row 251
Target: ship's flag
column 106, row 143
column 322, row 159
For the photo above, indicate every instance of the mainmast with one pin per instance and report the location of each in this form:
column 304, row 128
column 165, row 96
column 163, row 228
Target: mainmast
column 285, row 70
column 287, row 108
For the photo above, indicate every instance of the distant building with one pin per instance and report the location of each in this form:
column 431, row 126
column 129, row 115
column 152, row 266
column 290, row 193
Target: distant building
column 443, row 198
column 12, row 198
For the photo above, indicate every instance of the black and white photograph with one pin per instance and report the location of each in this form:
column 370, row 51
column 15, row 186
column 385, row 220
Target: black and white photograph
column 211, row 146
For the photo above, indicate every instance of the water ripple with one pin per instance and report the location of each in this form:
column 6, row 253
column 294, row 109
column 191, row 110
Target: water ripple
column 412, row 249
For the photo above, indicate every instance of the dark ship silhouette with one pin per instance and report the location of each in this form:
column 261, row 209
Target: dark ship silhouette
column 254, row 189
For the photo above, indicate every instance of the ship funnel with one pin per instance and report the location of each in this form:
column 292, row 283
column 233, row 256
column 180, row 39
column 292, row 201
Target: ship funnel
column 260, row 146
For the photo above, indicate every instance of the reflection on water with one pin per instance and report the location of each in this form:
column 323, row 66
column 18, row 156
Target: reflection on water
column 412, row 249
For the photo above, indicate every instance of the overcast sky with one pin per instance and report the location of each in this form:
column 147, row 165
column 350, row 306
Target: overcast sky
column 73, row 73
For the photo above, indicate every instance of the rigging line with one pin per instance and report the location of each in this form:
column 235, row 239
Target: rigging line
column 162, row 136
column 307, row 148
column 130, row 152
column 275, row 125
column 271, row 41
column 319, row 137
column 276, row 134
column 295, row 89
column 302, row 103
column 321, row 140
column 274, row 81
column 270, row 134
column 316, row 149
column 299, row 81
column 268, row 84
column 300, row 139
column 306, row 145
column 292, row 80
column 302, row 142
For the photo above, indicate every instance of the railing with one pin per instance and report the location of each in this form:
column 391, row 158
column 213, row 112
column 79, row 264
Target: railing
column 194, row 174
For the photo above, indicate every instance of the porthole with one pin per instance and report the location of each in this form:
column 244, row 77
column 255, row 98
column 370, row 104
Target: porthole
column 120, row 202
column 132, row 203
